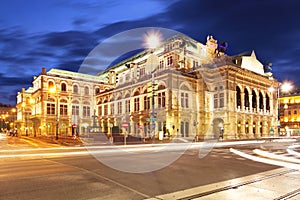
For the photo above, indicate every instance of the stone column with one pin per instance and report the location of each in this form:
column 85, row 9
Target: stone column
column 242, row 101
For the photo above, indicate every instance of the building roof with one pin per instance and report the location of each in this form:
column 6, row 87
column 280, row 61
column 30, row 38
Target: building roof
column 76, row 75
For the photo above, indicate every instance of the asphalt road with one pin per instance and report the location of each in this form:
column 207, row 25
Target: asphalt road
column 42, row 175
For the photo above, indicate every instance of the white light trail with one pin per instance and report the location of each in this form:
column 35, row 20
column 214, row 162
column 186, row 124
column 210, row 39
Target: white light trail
column 275, row 156
column 265, row 160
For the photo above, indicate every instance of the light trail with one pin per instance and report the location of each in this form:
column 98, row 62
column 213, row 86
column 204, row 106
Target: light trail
column 275, row 156
column 265, row 160
column 292, row 152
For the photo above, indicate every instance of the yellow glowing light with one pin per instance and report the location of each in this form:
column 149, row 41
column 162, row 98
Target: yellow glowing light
column 31, row 101
column 152, row 39
column 286, row 86
column 13, row 110
column 52, row 89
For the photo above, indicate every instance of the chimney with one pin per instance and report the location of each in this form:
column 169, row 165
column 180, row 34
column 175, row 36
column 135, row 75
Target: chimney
column 44, row 71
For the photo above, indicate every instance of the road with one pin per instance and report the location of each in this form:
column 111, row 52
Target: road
column 36, row 170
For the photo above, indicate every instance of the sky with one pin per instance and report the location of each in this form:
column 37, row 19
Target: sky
column 61, row 33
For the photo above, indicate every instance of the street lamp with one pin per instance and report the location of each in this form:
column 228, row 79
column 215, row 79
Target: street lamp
column 33, row 102
column 284, row 87
column 25, row 116
column 52, row 90
column 152, row 40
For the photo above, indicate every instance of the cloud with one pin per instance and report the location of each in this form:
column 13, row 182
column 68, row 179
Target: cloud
column 270, row 28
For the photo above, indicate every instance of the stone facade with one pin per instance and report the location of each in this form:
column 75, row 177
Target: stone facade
column 196, row 90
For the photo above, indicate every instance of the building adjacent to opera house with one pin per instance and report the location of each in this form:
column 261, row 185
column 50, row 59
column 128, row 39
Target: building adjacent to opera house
column 196, row 89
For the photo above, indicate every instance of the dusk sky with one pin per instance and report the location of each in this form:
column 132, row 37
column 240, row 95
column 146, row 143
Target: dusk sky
column 61, row 33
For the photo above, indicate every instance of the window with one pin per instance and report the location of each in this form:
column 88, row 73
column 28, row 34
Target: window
column 127, row 106
column 136, row 104
column 63, row 109
column 161, row 64
column 169, row 60
column 184, row 100
column 50, row 109
column 86, row 111
column 75, row 89
column 105, row 109
column 63, row 87
column 75, row 110
column 238, row 97
column 97, row 91
column 119, row 110
column 142, row 72
column 50, row 84
column 221, row 98
column 112, row 108
column 215, row 100
column 295, row 112
column 100, row 110
column 195, row 63
column 146, row 103
column 162, row 99
column 86, row 90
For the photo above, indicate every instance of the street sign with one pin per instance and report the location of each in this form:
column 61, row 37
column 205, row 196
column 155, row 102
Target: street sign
column 151, row 119
column 125, row 125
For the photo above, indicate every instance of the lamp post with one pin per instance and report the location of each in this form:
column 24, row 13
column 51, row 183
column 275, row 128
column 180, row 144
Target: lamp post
column 33, row 102
column 152, row 40
column 25, row 117
column 52, row 90
column 284, row 87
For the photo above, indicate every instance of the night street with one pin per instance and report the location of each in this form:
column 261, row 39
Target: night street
column 36, row 170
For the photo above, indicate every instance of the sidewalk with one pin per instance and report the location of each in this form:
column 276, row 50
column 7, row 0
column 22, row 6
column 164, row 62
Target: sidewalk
column 70, row 141
column 64, row 141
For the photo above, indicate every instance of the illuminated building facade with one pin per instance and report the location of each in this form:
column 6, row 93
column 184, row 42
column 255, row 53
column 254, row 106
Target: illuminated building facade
column 69, row 108
column 198, row 90
column 7, row 117
column 180, row 88
column 289, row 111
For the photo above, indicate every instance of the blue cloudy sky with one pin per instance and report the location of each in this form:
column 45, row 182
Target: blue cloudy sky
column 61, row 33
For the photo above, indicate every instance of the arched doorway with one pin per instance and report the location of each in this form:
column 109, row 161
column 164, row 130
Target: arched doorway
column 218, row 127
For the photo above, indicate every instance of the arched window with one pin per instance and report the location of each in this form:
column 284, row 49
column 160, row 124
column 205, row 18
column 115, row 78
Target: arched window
column 146, row 103
column 238, row 96
column 162, row 87
column 261, row 101
column 267, row 102
column 254, row 128
column 97, row 91
column 246, row 98
column 136, row 101
column 75, row 89
column 247, row 127
column 50, row 84
column 63, row 87
column 254, row 99
column 86, row 90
